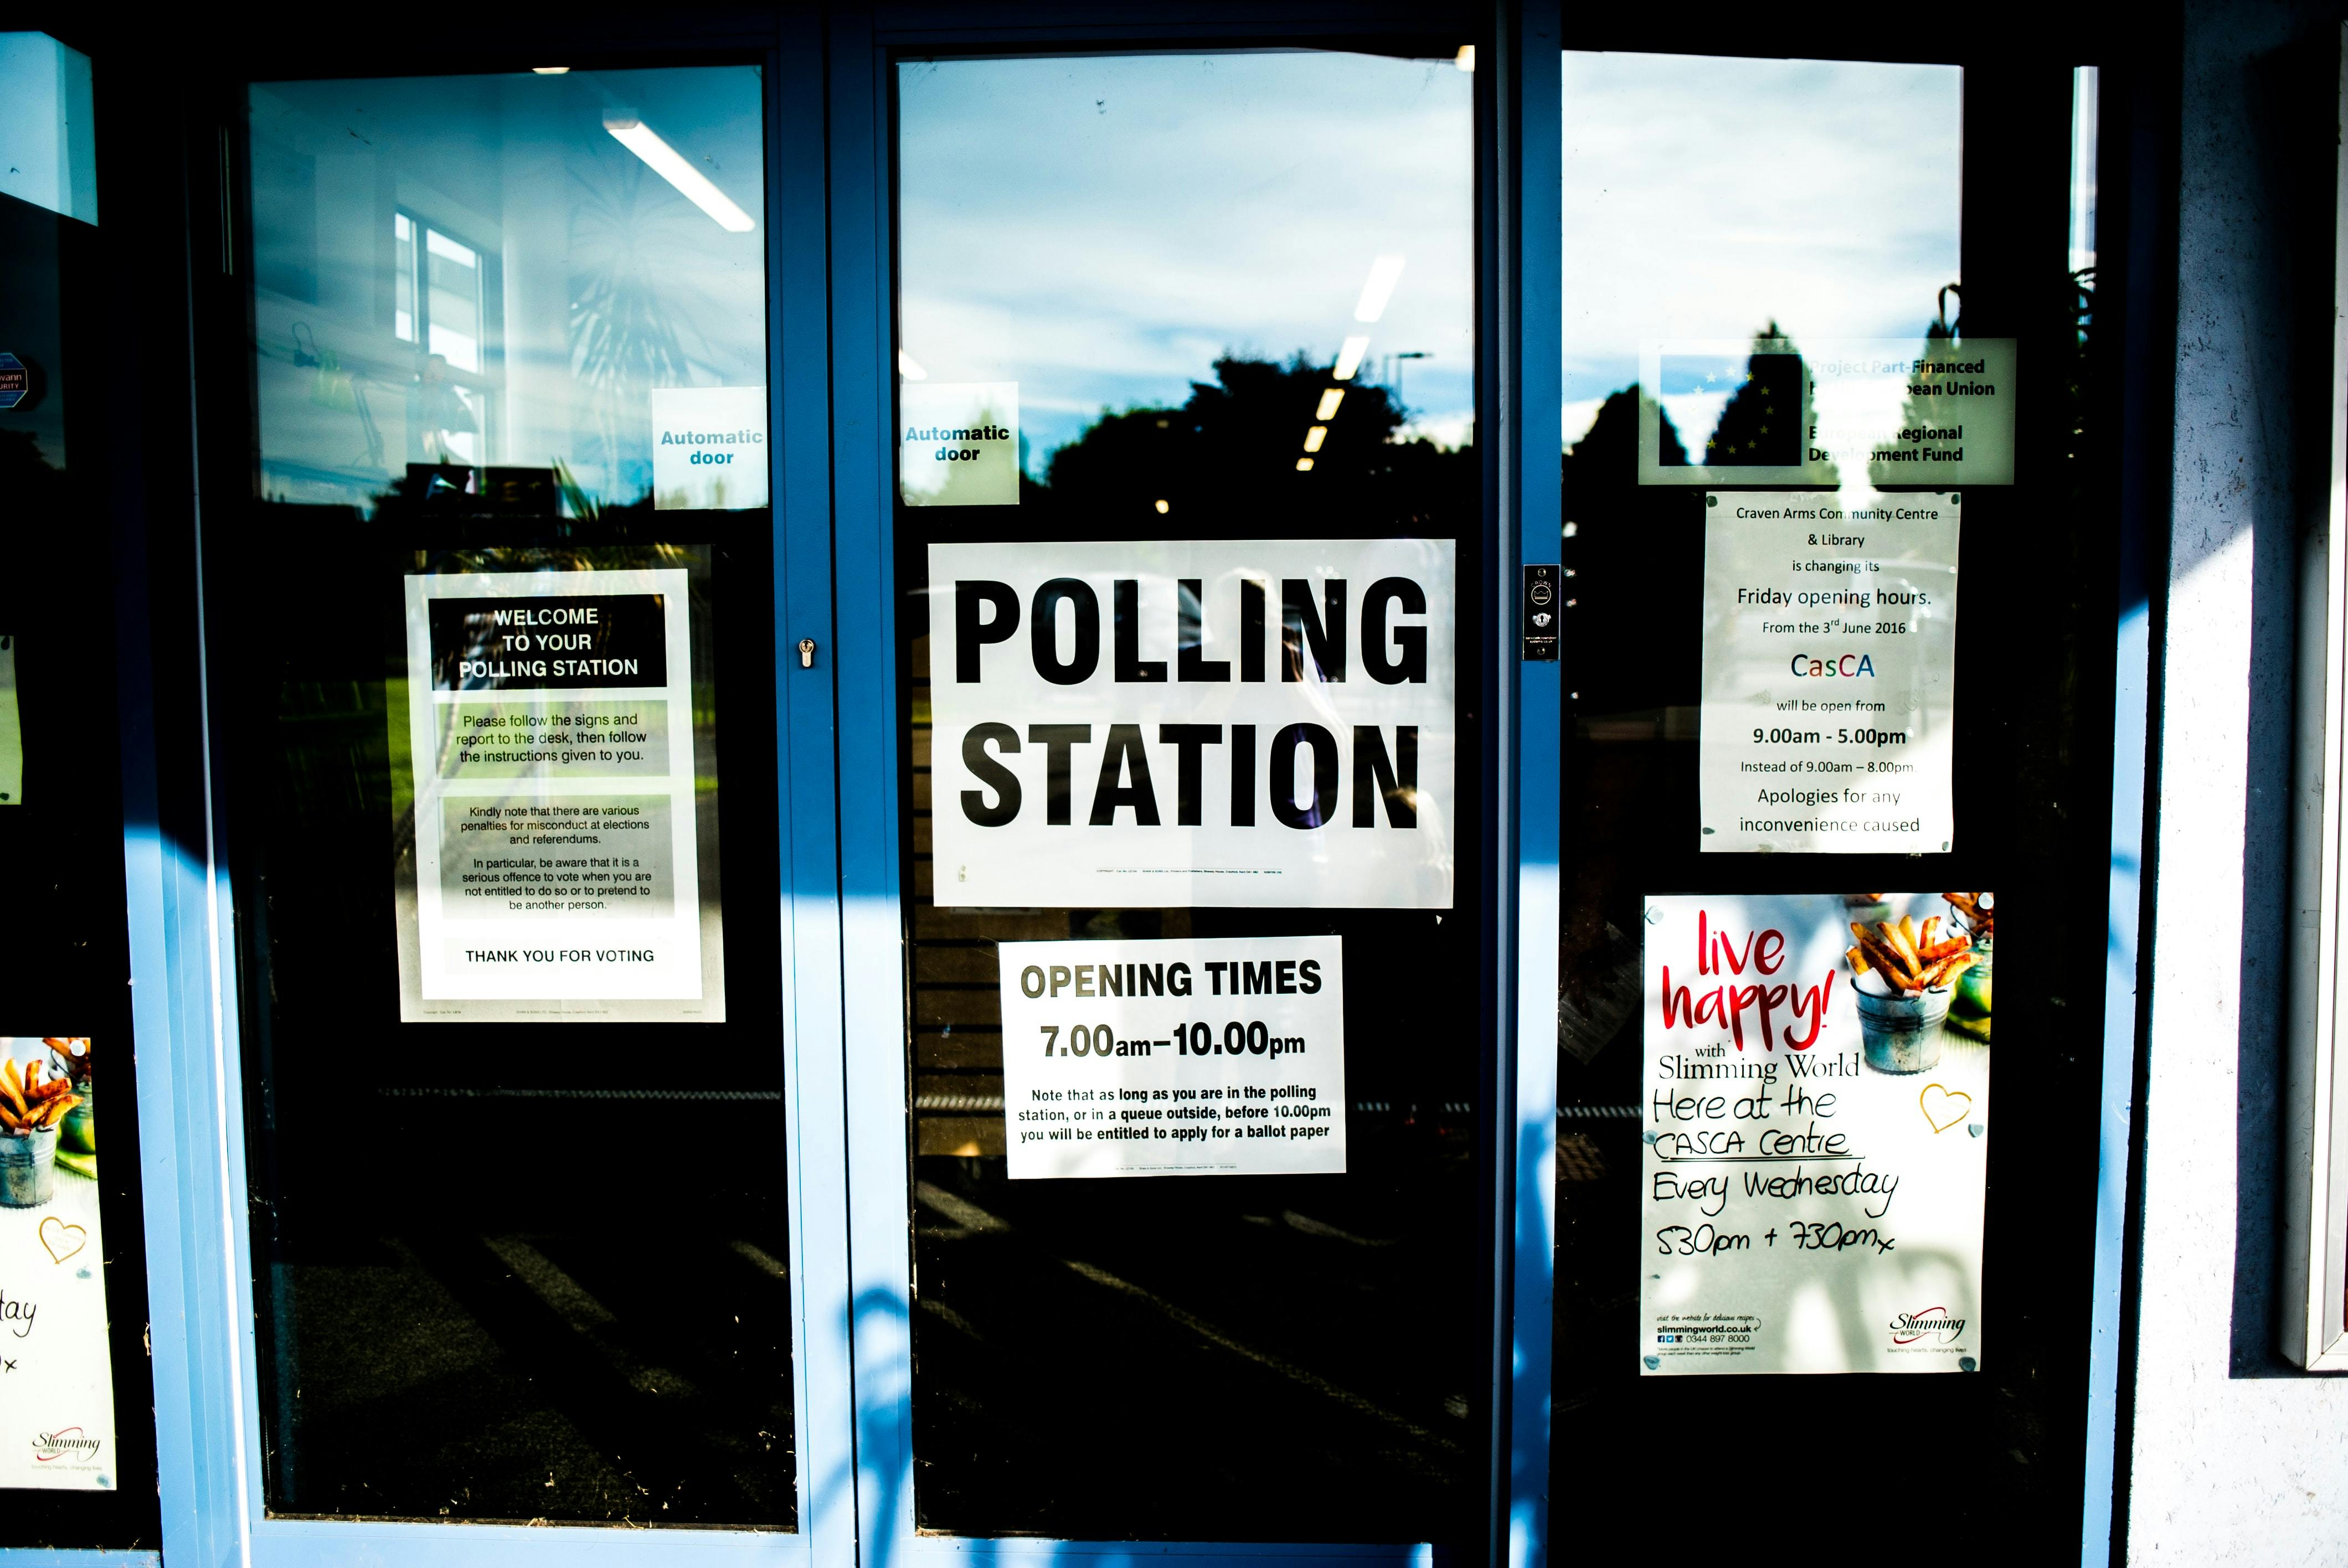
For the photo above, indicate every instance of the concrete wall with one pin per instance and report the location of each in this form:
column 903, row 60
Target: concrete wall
column 2237, row 1457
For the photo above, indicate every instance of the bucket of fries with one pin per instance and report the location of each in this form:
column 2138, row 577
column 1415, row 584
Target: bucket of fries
column 1905, row 976
column 31, row 1108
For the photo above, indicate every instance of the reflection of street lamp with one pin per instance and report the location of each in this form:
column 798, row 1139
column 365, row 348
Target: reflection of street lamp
column 1396, row 378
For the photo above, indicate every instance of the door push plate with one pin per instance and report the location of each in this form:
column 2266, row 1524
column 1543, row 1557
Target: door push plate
column 1541, row 609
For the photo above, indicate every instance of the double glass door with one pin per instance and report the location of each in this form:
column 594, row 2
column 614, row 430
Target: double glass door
column 855, row 850
column 897, row 873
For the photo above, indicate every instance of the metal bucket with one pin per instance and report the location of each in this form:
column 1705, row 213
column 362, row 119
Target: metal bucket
column 28, row 1168
column 1901, row 1033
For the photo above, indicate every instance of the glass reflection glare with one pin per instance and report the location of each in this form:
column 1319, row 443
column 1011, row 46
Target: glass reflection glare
column 499, row 272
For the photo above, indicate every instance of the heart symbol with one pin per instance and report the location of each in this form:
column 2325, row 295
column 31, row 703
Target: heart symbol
column 1974, row 1128
column 64, row 1240
column 1654, row 1363
column 1939, row 1112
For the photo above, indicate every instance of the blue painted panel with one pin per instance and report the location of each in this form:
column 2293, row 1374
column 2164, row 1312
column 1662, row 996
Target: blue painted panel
column 872, row 974
column 797, row 262
column 1533, row 329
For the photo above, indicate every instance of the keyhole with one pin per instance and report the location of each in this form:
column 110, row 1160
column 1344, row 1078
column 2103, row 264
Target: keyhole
column 807, row 653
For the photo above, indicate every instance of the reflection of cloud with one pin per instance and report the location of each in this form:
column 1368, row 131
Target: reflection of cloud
column 1705, row 198
column 1102, row 230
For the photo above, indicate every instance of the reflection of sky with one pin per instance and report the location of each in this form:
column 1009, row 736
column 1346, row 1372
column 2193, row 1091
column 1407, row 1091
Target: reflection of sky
column 1705, row 198
column 1102, row 230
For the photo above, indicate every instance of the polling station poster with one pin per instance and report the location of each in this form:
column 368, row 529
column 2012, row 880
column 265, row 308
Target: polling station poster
column 1220, row 1056
column 1257, row 723
column 1816, row 1111
column 1828, row 723
column 558, row 832
column 57, row 1376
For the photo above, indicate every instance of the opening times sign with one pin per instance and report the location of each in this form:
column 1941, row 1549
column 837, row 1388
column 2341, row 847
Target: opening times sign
column 1260, row 724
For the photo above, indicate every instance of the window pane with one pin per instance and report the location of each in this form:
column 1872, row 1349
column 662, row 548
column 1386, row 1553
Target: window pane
column 1215, row 298
column 527, row 270
column 520, row 1241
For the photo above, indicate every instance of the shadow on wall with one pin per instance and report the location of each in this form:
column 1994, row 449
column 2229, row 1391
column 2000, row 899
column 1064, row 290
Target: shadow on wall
column 2281, row 261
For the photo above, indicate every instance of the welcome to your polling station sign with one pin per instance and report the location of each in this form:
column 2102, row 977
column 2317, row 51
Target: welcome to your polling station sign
column 1259, row 724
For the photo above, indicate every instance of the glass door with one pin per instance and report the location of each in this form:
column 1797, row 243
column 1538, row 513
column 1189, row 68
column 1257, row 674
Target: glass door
column 525, row 813
column 1166, row 796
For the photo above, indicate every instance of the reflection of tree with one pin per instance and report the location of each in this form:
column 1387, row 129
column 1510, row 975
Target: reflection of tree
column 1926, row 413
column 629, row 239
column 1768, row 420
column 1621, row 551
column 1230, row 451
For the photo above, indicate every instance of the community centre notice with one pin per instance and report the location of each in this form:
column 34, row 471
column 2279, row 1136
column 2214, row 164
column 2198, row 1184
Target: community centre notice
column 1262, row 723
column 1816, row 1111
column 557, row 832
column 1829, row 673
column 1217, row 1056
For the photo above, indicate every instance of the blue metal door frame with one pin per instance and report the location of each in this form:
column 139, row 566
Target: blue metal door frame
column 1517, row 162
column 846, row 1165
column 184, row 956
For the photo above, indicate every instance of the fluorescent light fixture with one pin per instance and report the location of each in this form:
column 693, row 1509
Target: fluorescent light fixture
column 907, row 368
column 1329, row 401
column 1385, row 273
column 1304, row 465
column 1315, row 436
column 1465, row 58
column 670, row 165
column 550, row 70
column 1349, row 358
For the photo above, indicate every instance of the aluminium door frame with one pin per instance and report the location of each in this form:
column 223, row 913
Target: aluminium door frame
column 184, row 945
column 1517, row 162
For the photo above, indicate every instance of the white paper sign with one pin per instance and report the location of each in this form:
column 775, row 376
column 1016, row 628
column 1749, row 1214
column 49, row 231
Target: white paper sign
column 709, row 447
column 1812, row 1180
column 959, row 442
column 1263, row 723
column 1211, row 1057
column 549, row 725
column 57, row 1374
column 12, row 728
column 1855, row 413
column 1829, row 673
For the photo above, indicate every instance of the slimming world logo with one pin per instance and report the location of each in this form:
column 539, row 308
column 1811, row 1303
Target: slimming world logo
column 1907, row 1327
column 69, row 1443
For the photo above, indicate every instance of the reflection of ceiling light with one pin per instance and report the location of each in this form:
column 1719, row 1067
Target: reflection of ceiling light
column 550, row 70
column 670, row 165
column 1349, row 358
column 1385, row 273
column 1163, row 508
column 1304, row 465
column 907, row 369
column 1329, row 401
column 1465, row 58
column 1572, row 529
column 1315, row 436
